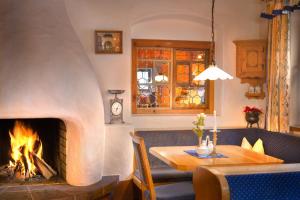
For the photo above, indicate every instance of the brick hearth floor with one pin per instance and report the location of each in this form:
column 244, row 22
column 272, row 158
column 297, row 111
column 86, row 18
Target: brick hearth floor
column 59, row 191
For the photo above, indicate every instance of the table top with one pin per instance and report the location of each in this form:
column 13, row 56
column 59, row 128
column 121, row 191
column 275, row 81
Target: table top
column 175, row 157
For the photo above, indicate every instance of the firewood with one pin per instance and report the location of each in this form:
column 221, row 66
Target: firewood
column 6, row 170
column 17, row 173
column 45, row 169
column 24, row 161
column 4, row 167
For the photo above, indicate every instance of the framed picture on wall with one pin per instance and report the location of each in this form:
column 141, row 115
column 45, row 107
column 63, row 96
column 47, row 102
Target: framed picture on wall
column 108, row 42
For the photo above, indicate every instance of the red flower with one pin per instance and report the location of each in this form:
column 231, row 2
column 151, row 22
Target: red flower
column 253, row 109
column 247, row 109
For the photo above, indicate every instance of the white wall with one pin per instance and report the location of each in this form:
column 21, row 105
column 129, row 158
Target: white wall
column 118, row 157
column 169, row 19
column 295, row 69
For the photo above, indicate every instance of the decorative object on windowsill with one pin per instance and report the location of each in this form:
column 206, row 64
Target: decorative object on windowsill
column 116, row 107
column 108, row 42
column 255, row 92
column 161, row 78
column 213, row 73
column 252, row 116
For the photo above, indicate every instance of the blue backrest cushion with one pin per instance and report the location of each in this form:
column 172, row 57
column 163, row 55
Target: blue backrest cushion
column 139, row 165
column 268, row 186
column 280, row 145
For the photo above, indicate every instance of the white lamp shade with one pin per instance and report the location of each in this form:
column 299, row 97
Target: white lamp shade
column 213, row 73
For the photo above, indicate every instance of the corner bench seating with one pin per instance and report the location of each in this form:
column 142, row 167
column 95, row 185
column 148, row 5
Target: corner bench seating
column 279, row 145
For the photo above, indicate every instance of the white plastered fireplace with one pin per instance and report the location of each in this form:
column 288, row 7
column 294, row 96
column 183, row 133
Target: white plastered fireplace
column 44, row 72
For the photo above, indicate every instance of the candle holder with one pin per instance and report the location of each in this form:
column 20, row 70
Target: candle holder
column 215, row 139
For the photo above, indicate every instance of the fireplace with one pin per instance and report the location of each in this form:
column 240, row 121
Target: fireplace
column 32, row 150
column 45, row 73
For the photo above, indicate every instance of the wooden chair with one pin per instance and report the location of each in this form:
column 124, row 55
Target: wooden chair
column 174, row 191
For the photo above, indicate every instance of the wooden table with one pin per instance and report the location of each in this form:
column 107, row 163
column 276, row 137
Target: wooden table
column 175, row 157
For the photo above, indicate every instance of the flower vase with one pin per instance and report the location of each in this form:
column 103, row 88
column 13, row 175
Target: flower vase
column 199, row 141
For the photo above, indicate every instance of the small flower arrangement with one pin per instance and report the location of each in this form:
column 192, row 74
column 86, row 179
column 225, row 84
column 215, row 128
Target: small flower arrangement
column 248, row 109
column 199, row 125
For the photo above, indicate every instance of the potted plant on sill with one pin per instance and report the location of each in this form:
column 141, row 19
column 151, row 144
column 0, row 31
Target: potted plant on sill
column 252, row 116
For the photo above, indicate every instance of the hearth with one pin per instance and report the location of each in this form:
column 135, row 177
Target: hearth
column 32, row 151
column 45, row 72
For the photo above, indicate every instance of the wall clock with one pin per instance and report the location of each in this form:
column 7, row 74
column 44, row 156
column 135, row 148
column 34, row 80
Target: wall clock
column 116, row 107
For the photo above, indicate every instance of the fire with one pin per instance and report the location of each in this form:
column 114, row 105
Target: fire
column 24, row 143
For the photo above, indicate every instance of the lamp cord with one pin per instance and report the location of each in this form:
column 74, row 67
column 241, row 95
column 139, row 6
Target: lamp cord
column 213, row 33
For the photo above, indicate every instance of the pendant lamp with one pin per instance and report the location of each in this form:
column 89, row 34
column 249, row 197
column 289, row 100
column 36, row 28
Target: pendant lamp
column 213, row 72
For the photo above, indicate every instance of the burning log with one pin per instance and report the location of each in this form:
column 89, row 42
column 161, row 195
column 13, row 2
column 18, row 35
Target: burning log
column 26, row 155
column 13, row 171
column 4, row 167
column 17, row 172
column 45, row 169
column 6, row 170
column 23, row 160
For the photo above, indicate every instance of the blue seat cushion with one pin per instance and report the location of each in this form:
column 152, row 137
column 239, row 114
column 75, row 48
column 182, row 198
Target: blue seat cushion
column 167, row 174
column 174, row 191
column 275, row 186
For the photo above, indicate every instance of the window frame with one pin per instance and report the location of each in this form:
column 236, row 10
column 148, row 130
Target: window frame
column 174, row 44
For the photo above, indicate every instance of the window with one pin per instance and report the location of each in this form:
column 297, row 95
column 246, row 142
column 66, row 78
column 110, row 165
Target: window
column 162, row 77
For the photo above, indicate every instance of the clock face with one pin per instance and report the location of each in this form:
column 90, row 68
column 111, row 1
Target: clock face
column 116, row 108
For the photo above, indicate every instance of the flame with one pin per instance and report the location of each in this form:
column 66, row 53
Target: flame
column 24, row 141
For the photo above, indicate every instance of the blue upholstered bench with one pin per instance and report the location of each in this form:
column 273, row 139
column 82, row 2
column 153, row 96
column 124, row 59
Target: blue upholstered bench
column 267, row 182
column 282, row 185
column 283, row 146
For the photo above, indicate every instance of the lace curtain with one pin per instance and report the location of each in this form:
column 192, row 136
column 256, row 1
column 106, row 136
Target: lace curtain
column 278, row 76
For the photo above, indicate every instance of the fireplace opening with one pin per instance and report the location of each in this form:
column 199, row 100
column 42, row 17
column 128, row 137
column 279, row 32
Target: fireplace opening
column 32, row 151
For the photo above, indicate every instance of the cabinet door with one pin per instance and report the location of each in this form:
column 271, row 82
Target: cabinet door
column 251, row 56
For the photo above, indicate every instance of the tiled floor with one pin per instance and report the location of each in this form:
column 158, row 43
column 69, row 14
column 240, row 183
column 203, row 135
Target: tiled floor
column 58, row 191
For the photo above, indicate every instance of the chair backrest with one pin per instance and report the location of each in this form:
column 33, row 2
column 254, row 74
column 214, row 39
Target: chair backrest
column 142, row 164
column 166, row 138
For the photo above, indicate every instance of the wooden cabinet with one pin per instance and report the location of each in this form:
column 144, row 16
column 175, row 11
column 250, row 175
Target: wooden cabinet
column 251, row 65
column 251, row 58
